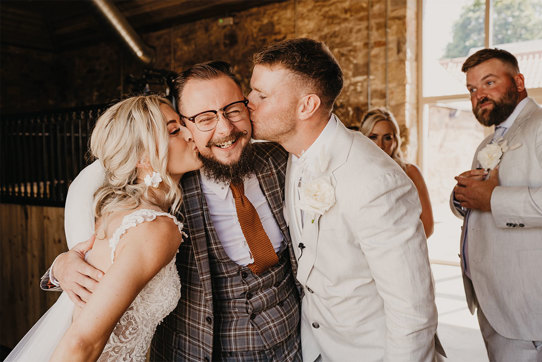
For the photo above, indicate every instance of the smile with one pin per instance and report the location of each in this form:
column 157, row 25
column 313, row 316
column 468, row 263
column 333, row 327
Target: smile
column 228, row 141
column 225, row 144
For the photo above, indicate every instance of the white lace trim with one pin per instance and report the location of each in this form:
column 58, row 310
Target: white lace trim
column 133, row 333
column 135, row 218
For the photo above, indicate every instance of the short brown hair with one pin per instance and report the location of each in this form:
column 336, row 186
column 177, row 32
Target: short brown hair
column 486, row 54
column 203, row 71
column 310, row 59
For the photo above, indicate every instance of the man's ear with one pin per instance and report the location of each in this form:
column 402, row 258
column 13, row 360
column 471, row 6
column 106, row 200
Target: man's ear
column 520, row 82
column 308, row 105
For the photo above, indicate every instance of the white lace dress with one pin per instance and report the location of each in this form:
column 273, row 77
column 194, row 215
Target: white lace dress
column 131, row 337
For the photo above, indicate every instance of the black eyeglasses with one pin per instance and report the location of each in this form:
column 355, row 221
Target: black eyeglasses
column 233, row 112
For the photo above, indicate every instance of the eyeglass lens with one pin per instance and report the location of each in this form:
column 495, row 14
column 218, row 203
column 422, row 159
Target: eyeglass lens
column 234, row 113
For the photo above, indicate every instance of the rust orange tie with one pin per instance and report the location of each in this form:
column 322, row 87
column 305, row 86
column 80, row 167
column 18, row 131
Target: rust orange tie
column 260, row 246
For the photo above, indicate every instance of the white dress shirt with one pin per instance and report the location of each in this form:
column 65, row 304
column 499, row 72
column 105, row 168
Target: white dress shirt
column 224, row 217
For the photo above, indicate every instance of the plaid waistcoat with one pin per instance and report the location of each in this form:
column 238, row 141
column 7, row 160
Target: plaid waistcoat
column 252, row 312
column 187, row 334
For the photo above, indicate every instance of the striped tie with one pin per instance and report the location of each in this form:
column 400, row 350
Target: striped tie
column 499, row 133
column 260, row 246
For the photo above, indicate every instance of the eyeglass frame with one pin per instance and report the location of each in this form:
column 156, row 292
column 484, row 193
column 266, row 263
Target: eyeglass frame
column 193, row 118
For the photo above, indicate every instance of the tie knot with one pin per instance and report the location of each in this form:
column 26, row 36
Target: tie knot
column 499, row 132
column 237, row 189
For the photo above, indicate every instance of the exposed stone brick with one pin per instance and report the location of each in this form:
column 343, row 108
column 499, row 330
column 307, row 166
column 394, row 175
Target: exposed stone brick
column 97, row 74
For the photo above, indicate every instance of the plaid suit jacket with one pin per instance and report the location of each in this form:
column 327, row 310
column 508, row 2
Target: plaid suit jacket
column 187, row 333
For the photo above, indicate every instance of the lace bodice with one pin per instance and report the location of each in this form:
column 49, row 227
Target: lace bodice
column 133, row 333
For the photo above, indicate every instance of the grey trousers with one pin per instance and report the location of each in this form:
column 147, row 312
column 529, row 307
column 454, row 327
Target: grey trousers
column 502, row 349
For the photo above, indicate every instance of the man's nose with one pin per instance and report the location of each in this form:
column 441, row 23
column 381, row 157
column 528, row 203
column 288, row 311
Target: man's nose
column 187, row 135
column 480, row 94
column 250, row 105
column 224, row 125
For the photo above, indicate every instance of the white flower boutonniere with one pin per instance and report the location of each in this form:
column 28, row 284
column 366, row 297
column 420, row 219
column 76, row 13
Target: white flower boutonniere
column 317, row 196
column 490, row 156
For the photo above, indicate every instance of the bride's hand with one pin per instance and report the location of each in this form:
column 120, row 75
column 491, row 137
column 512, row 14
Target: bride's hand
column 76, row 277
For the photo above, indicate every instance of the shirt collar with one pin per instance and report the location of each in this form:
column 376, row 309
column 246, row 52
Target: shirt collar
column 512, row 117
column 324, row 138
column 220, row 189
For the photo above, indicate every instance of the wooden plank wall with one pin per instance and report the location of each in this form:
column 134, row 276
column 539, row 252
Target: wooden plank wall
column 30, row 238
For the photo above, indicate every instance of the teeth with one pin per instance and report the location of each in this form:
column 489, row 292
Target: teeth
column 225, row 144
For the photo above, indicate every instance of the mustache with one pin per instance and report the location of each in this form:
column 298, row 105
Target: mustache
column 484, row 100
column 234, row 136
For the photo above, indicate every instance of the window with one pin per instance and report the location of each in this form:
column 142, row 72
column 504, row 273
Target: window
column 451, row 31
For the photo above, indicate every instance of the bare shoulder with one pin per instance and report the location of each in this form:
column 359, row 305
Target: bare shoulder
column 414, row 173
column 160, row 235
column 156, row 230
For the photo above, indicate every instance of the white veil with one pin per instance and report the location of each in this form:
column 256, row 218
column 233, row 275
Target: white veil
column 40, row 342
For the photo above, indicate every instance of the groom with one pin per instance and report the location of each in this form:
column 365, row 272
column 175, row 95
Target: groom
column 353, row 216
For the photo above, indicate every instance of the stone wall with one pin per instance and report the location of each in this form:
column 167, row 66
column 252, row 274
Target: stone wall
column 379, row 35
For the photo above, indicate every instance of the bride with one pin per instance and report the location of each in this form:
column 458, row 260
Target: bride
column 144, row 150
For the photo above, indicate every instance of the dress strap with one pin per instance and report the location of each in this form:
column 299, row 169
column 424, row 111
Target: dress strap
column 135, row 218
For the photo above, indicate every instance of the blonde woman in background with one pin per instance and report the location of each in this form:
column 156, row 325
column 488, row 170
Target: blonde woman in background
column 380, row 126
column 144, row 149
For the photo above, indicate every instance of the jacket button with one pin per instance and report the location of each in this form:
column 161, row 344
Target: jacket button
column 315, row 325
column 509, row 224
column 310, row 290
column 253, row 316
column 244, row 275
column 249, row 295
column 209, row 320
column 521, row 225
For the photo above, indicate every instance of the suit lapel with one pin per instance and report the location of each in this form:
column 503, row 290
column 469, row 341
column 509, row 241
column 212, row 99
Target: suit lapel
column 509, row 136
column 268, row 177
column 196, row 215
column 291, row 213
column 334, row 154
column 525, row 114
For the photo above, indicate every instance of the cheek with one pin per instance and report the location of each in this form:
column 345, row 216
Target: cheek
column 389, row 144
column 201, row 140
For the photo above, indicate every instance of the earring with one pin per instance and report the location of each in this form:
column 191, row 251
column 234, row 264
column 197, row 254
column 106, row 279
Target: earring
column 154, row 180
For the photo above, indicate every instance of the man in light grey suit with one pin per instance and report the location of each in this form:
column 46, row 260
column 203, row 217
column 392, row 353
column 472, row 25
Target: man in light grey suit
column 501, row 203
column 354, row 217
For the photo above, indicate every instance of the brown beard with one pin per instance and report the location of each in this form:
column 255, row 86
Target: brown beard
column 502, row 108
column 233, row 173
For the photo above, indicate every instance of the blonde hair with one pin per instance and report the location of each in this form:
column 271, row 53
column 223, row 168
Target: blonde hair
column 375, row 115
column 127, row 133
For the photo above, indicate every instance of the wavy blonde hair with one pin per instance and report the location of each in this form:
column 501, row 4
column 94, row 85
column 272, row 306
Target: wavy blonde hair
column 375, row 115
column 127, row 133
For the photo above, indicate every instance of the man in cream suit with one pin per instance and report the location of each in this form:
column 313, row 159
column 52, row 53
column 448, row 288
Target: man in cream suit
column 501, row 245
column 353, row 216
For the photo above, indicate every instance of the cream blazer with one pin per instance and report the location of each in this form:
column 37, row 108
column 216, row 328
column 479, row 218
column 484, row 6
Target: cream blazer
column 505, row 245
column 364, row 266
